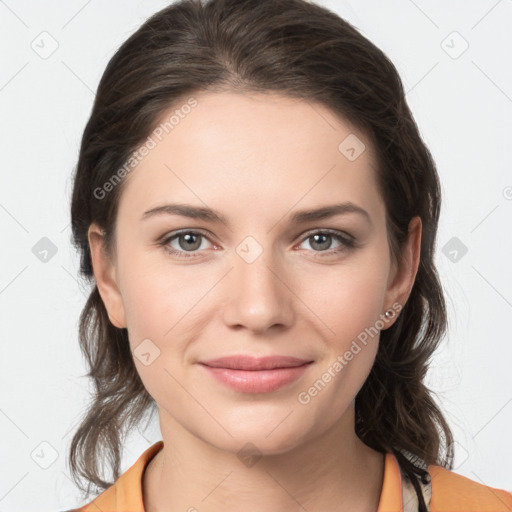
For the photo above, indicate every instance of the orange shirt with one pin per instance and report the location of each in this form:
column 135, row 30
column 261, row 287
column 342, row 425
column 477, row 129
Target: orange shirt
column 451, row 492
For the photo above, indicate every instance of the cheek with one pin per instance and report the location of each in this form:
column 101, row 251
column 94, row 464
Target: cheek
column 346, row 300
column 346, row 306
column 165, row 312
column 156, row 294
column 350, row 310
column 157, row 310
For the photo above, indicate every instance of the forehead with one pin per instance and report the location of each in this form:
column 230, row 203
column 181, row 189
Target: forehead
column 233, row 151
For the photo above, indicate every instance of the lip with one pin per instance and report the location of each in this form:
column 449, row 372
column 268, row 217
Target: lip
column 244, row 362
column 256, row 375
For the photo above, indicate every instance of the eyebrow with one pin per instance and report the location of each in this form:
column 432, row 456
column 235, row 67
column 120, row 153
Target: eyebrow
column 299, row 217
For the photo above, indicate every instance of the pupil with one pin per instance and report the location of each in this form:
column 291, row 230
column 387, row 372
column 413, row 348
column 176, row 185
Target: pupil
column 322, row 236
column 189, row 238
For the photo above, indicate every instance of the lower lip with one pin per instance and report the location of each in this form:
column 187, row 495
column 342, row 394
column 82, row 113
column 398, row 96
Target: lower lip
column 257, row 381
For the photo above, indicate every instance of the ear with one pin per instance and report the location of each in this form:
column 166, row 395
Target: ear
column 105, row 276
column 402, row 276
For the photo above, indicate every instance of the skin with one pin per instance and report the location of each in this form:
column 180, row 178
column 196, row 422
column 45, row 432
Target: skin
column 257, row 159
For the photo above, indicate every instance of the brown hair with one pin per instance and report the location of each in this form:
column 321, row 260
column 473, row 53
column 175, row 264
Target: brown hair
column 301, row 50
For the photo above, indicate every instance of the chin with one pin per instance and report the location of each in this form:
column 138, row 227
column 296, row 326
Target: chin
column 264, row 438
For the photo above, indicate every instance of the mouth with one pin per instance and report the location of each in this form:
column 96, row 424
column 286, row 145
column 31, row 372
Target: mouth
column 256, row 375
column 244, row 362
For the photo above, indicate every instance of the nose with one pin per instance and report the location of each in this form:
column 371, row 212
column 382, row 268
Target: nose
column 259, row 295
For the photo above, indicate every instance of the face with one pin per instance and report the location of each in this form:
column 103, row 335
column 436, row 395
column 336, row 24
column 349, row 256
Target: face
column 261, row 282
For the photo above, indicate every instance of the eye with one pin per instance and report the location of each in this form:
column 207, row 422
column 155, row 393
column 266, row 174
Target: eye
column 322, row 240
column 189, row 240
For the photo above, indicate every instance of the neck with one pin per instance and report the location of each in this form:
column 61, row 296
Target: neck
column 335, row 471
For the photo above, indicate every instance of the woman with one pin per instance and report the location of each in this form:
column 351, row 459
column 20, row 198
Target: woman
column 258, row 213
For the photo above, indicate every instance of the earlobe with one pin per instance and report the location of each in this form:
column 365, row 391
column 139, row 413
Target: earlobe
column 105, row 276
column 404, row 276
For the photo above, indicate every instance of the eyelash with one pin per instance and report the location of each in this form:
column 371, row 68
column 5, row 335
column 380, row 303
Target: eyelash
column 347, row 242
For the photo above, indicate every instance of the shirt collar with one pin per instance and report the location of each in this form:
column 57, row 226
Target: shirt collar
column 391, row 494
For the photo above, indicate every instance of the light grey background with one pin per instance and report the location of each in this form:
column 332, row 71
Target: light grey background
column 462, row 102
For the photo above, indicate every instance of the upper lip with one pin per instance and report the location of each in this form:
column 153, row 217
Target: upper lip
column 243, row 362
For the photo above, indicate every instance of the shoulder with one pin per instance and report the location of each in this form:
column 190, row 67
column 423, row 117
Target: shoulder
column 453, row 492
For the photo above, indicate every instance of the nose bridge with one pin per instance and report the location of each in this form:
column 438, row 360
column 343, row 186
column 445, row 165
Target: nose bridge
column 259, row 297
